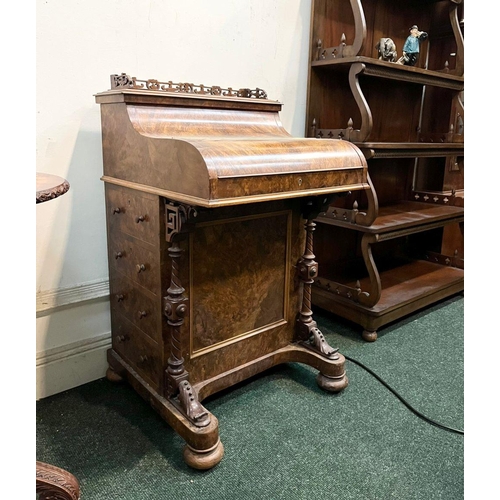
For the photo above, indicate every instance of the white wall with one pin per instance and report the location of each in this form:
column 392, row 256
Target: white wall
column 230, row 43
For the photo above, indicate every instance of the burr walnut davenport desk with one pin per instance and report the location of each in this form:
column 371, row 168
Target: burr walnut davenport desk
column 210, row 206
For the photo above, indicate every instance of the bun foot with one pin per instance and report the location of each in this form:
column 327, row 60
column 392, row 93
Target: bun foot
column 369, row 336
column 332, row 384
column 204, row 459
column 113, row 376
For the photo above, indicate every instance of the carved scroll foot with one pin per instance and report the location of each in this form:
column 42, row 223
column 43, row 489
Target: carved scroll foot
column 332, row 384
column 318, row 343
column 203, row 459
column 112, row 375
column 369, row 336
column 190, row 405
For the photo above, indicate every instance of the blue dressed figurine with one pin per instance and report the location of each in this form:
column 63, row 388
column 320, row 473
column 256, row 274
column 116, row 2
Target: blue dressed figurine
column 411, row 48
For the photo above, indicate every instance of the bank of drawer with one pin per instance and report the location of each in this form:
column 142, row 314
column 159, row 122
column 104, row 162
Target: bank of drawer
column 133, row 213
column 135, row 261
column 137, row 306
column 143, row 354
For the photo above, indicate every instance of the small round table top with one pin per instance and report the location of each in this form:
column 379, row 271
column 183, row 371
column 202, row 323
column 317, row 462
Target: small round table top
column 49, row 186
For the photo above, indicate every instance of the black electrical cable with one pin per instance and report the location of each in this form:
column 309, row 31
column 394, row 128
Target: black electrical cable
column 416, row 412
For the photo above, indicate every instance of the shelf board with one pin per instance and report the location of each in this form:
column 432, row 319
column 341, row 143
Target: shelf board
column 393, row 71
column 405, row 289
column 410, row 149
column 405, row 217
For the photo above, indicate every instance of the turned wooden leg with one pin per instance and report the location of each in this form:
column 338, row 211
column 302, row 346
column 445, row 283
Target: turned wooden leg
column 54, row 483
column 332, row 384
column 203, row 459
column 369, row 335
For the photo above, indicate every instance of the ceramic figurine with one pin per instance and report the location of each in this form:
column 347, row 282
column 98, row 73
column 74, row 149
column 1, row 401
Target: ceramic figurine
column 386, row 50
column 411, row 48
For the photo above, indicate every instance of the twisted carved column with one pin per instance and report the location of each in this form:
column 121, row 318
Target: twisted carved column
column 308, row 271
column 176, row 305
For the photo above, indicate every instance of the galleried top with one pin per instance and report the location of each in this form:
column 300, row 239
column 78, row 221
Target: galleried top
column 125, row 81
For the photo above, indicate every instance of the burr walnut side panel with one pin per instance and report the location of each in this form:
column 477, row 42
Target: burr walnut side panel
column 247, row 266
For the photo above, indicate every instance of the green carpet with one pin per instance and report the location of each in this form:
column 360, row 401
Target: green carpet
column 284, row 437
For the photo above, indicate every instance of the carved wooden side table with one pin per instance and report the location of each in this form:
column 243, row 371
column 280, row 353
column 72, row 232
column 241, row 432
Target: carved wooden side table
column 53, row 483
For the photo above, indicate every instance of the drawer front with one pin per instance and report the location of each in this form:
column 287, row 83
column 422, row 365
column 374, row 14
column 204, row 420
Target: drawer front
column 133, row 213
column 137, row 349
column 139, row 308
column 135, row 261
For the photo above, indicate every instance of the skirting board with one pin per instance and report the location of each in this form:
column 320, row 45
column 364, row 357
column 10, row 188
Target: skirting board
column 79, row 361
column 69, row 366
column 49, row 300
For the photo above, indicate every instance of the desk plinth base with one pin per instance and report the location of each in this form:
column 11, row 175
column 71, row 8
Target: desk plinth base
column 203, row 448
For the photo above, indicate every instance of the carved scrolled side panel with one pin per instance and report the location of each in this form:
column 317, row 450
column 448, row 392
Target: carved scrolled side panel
column 366, row 218
column 366, row 114
column 370, row 298
column 344, row 49
column 459, row 38
column 360, row 30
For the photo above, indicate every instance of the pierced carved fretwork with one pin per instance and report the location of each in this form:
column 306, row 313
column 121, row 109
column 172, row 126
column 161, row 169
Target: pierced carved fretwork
column 131, row 82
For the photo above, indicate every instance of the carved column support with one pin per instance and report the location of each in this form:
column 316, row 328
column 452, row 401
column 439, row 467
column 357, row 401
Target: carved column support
column 175, row 308
column 307, row 269
column 176, row 305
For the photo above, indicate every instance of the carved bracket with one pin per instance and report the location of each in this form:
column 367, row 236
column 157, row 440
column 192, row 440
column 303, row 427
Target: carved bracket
column 176, row 218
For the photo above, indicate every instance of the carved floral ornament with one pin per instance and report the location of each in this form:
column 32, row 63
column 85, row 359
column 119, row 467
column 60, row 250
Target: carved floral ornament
column 126, row 81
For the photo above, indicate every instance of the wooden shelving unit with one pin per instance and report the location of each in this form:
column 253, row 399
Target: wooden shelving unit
column 389, row 251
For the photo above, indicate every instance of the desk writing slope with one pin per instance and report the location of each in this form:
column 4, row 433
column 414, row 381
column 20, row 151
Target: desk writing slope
column 210, row 206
